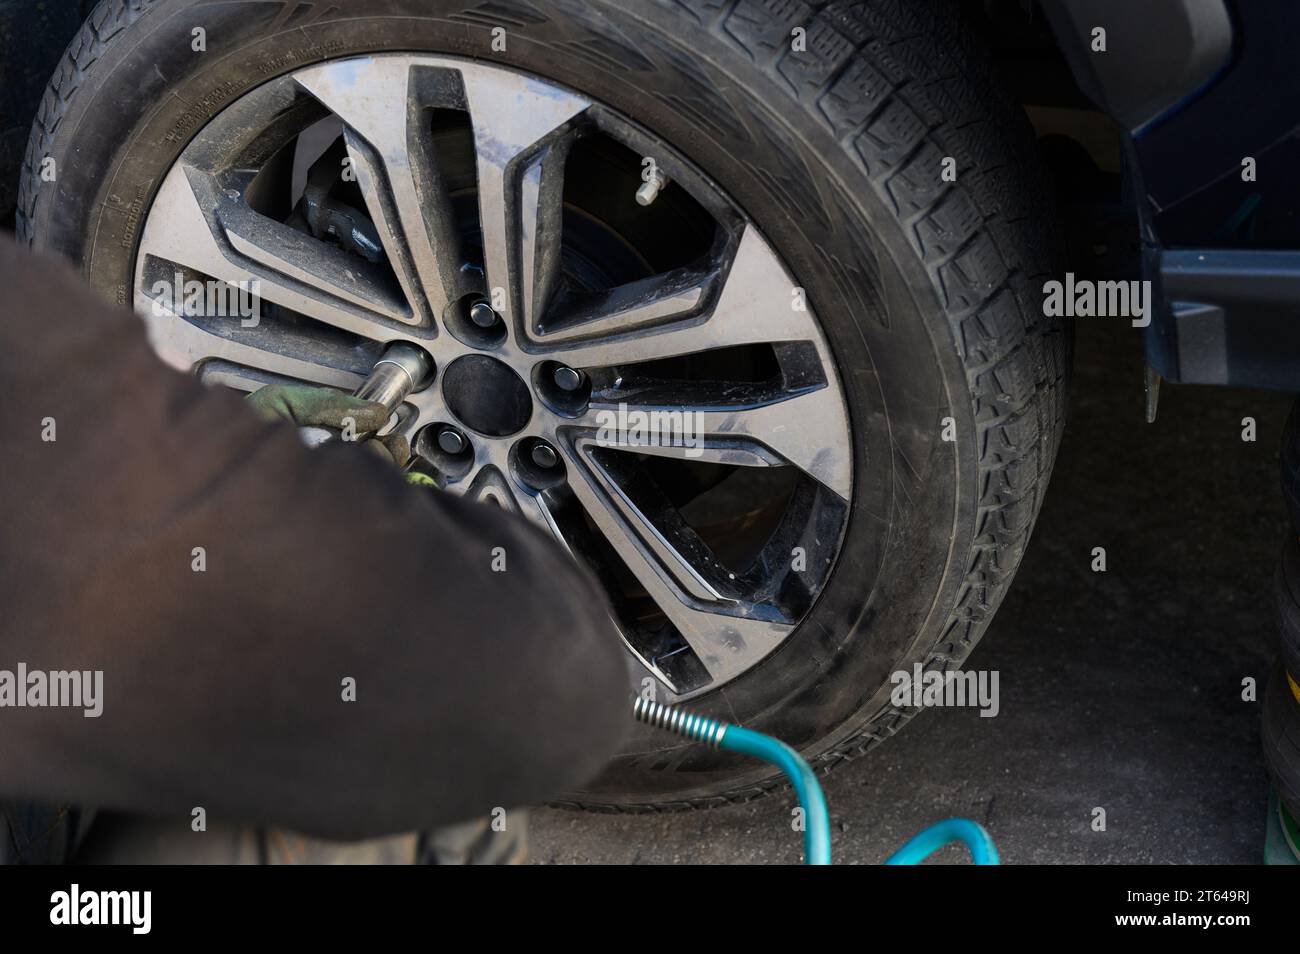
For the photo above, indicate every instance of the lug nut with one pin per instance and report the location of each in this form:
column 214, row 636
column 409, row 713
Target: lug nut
column 481, row 314
column 452, row 441
column 544, row 456
column 567, row 379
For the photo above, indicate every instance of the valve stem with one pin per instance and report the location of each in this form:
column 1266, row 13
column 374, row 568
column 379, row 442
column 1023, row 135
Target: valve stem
column 651, row 188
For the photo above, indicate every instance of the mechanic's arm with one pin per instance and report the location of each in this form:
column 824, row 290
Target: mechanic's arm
column 232, row 585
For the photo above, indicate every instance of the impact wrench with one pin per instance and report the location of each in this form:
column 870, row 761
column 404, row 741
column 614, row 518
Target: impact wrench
column 401, row 369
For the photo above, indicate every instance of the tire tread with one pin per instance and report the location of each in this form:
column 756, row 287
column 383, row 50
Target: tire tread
column 105, row 22
column 886, row 78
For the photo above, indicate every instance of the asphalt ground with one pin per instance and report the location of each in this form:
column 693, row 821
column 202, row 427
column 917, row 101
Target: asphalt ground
column 1119, row 690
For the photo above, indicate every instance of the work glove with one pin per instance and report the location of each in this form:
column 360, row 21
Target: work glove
column 308, row 406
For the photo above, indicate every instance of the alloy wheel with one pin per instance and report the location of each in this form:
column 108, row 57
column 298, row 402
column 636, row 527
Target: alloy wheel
column 621, row 356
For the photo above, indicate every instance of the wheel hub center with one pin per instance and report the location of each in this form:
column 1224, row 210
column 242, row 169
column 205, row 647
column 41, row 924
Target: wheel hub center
column 486, row 395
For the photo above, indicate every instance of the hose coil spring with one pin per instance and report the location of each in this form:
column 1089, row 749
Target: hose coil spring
column 695, row 727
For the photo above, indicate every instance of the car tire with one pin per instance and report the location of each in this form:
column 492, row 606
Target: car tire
column 929, row 290
column 1281, row 737
column 1290, row 465
column 1287, row 600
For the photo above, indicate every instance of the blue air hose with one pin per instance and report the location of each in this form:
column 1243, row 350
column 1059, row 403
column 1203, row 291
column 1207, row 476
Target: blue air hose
column 817, row 826
column 980, row 843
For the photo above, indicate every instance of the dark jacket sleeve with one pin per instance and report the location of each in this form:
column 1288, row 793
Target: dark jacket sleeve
column 224, row 687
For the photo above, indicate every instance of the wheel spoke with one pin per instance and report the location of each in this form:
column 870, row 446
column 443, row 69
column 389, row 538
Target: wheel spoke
column 184, row 344
column 633, row 307
column 541, row 207
column 755, row 306
column 725, row 640
column 514, row 116
column 490, row 485
column 807, row 429
column 391, row 152
column 238, row 246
